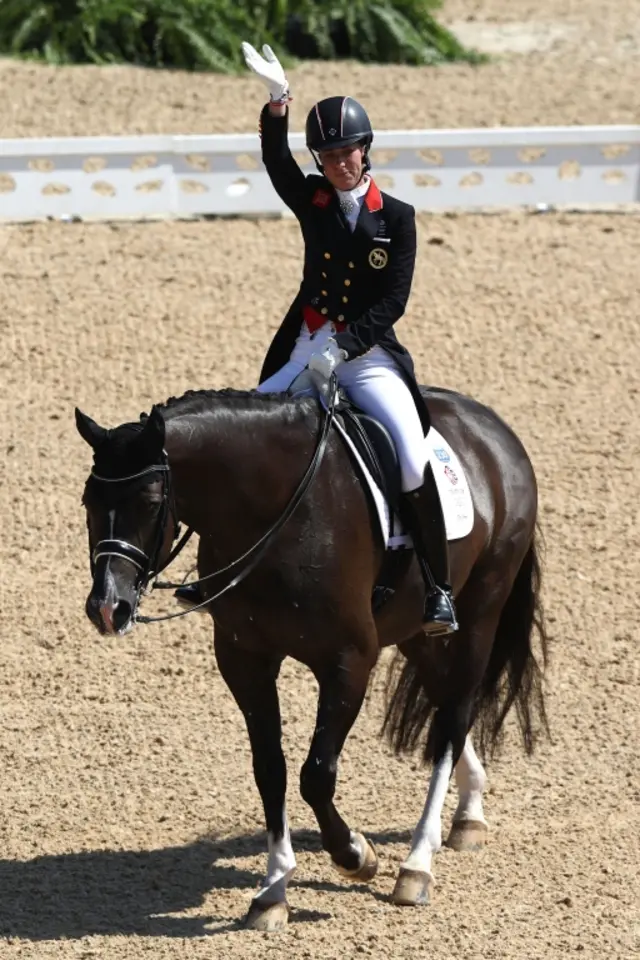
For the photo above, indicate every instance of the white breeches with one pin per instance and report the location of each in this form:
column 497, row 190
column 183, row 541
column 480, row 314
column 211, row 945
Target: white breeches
column 375, row 384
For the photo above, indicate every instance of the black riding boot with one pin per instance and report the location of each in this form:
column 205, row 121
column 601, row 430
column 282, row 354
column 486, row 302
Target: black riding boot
column 423, row 516
column 189, row 594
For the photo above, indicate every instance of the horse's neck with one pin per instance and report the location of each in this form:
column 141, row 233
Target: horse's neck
column 234, row 464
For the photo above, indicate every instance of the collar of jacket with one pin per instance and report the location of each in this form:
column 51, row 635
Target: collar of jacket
column 373, row 197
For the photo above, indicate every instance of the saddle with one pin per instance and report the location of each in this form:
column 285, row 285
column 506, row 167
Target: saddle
column 374, row 444
column 370, row 438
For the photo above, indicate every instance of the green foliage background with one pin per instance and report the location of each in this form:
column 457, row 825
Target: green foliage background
column 206, row 34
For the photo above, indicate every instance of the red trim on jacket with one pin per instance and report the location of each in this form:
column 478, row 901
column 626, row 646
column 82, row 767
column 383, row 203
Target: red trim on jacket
column 373, row 197
column 314, row 320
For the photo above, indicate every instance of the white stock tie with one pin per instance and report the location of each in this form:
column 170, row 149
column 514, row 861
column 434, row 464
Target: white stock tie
column 351, row 200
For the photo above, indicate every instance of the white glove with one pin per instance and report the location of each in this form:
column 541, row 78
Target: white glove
column 326, row 361
column 269, row 69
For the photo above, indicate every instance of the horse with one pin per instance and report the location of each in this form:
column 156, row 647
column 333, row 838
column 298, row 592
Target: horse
column 228, row 464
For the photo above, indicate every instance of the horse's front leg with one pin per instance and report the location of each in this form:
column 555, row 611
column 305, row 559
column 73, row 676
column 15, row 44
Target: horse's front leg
column 252, row 680
column 343, row 685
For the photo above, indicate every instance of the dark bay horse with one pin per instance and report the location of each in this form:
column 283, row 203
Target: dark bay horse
column 227, row 464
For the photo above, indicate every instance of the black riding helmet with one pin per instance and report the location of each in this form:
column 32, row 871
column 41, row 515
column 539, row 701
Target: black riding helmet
column 338, row 122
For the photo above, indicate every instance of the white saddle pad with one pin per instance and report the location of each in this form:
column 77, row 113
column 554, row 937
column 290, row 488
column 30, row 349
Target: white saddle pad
column 455, row 495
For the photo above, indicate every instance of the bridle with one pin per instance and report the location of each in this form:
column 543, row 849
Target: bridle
column 147, row 563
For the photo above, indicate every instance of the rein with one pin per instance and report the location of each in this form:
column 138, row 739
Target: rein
column 245, row 564
column 254, row 555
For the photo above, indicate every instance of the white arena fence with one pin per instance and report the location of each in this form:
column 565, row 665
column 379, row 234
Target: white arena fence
column 103, row 178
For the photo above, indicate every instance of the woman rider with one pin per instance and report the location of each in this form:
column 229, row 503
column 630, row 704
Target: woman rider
column 360, row 249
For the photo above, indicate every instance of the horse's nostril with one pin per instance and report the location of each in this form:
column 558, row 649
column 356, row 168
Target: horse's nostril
column 92, row 609
column 122, row 614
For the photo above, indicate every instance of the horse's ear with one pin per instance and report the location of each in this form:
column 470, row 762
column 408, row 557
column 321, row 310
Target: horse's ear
column 153, row 433
column 89, row 430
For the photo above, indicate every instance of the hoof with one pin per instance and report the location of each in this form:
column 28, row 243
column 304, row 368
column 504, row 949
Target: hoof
column 467, row 835
column 269, row 917
column 369, row 865
column 413, row 888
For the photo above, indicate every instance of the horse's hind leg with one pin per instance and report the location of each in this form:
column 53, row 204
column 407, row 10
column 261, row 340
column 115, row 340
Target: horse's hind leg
column 252, row 680
column 343, row 685
column 469, row 652
column 415, row 879
column 469, row 827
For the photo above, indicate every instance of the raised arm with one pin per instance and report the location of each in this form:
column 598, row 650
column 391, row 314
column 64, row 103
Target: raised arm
column 286, row 176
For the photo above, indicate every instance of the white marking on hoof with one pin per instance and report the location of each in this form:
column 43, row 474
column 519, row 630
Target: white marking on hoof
column 280, row 869
column 467, row 835
column 427, row 837
column 472, row 781
column 413, row 888
column 367, row 860
column 269, row 918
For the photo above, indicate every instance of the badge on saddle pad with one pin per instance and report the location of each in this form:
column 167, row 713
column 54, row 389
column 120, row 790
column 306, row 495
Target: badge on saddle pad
column 378, row 258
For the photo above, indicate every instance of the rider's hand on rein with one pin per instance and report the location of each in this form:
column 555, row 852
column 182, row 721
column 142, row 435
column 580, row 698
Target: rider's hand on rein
column 325, row 361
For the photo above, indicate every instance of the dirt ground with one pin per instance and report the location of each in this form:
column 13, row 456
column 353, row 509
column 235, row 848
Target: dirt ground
column 130, row 825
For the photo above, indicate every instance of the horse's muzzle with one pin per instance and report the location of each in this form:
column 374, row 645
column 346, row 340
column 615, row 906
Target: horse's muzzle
column 108, row 611
column 110, row 617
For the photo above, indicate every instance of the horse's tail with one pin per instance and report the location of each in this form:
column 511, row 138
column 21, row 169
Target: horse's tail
column 513, row 677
